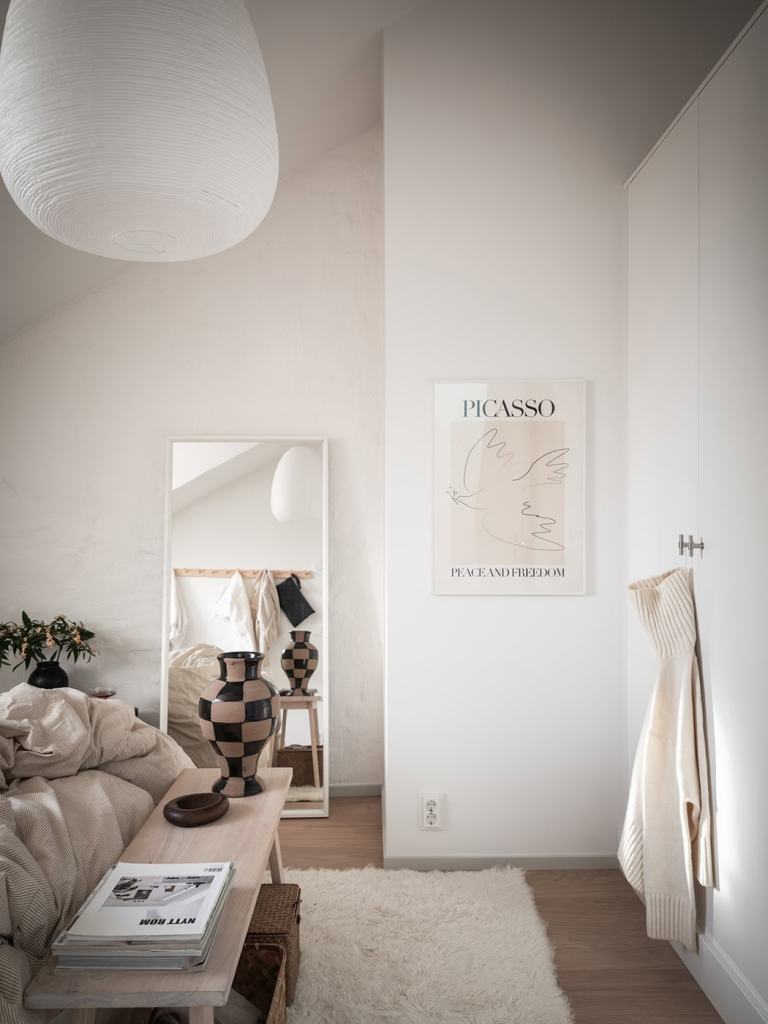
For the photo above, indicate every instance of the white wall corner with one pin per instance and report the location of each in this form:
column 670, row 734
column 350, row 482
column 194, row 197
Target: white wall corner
column 730, row 992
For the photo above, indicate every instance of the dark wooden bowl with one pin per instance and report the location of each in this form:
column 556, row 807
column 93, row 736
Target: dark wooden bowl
column 196, row 809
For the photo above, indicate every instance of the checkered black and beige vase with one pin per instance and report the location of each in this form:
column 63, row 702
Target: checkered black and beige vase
column 299, row 661
column 239, row 711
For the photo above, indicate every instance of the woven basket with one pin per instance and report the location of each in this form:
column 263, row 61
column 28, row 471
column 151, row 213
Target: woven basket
column 260, row 978
column 275, row 922
column 300, row 760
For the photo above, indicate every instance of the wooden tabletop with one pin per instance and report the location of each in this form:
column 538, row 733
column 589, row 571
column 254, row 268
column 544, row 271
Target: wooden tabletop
column 245, row 835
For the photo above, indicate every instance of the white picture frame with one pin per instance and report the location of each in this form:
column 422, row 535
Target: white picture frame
column 509, row 487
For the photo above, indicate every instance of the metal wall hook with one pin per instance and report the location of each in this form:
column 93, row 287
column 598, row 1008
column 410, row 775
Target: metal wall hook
column 689, row 545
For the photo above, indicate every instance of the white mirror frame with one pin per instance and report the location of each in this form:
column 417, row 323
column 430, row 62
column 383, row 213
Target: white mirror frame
column 319, row 812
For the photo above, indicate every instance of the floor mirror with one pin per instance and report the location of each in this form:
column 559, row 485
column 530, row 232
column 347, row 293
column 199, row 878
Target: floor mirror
column 246, row 571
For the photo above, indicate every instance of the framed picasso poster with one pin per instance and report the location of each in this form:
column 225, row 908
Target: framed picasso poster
column 509, row 487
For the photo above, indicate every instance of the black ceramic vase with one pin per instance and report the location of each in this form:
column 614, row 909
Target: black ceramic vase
column 299, row 661
column 48, row 675
column 239, row 711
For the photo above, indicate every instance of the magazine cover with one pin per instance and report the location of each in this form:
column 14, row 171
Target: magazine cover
column 142, row 901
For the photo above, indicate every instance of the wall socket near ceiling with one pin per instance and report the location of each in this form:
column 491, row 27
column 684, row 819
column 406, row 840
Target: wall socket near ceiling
column 431, row 810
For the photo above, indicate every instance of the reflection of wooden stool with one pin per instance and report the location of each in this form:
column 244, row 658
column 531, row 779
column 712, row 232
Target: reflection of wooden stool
column 308, row 704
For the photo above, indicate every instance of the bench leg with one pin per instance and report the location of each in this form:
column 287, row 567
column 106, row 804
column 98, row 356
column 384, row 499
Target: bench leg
column 201, row 1015
column 276, row 861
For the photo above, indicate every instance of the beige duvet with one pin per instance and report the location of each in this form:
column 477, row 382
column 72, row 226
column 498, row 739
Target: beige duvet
column 78, row 777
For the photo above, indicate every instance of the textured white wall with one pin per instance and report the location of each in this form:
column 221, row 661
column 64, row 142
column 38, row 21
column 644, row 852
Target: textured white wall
column 505, row 234
column 509, row 129
column 281, row 335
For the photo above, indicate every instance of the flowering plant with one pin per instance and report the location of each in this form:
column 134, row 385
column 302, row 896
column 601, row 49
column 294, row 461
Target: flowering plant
column 35, row 640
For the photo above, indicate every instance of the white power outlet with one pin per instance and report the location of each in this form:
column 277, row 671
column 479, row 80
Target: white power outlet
column 431, row 810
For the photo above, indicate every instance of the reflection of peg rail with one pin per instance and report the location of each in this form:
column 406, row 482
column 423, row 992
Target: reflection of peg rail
column 216, row 574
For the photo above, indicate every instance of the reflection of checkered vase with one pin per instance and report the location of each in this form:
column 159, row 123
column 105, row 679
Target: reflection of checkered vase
column 239, row 711
column 299, row 661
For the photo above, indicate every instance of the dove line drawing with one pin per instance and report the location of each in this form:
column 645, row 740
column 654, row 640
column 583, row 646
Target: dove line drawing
column 540, row 534
column 497, row 495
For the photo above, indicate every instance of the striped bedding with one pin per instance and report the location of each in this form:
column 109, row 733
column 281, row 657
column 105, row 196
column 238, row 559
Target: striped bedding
column 78, row 777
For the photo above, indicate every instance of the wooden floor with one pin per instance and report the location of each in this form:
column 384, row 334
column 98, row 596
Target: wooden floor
column 349, row 838
column 607, row 966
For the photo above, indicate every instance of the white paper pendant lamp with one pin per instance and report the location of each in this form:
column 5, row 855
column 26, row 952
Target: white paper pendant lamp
column 297, row 485
column 137, row 129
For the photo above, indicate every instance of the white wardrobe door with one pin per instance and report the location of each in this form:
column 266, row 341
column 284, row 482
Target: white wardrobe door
column 663, row 357
column 733, row 574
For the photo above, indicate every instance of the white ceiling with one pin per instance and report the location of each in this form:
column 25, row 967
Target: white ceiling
column 323, row 58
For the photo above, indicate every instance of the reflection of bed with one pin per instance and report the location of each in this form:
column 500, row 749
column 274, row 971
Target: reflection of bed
column 189, row 671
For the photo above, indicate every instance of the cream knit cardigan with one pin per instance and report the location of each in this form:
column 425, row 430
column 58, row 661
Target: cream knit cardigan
column 666, row 842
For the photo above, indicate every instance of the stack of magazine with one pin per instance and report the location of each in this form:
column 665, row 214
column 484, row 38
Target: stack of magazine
column 148, row 917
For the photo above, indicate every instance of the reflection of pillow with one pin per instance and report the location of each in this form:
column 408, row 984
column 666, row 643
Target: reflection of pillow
column 199, row 656
column 295, row 606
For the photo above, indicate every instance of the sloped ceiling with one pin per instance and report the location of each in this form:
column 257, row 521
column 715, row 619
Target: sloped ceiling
column 224, row 462
column 323, row 58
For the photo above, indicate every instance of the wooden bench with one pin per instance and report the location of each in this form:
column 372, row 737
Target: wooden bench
column 247, row 835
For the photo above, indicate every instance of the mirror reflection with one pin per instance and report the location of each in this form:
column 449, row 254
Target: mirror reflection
column 246, row 546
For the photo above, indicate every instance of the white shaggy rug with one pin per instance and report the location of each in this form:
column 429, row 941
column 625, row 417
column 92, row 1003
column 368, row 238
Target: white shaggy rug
column 411, row 947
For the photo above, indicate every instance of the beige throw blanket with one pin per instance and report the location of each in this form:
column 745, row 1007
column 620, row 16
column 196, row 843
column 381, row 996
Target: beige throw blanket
column 78, row 777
